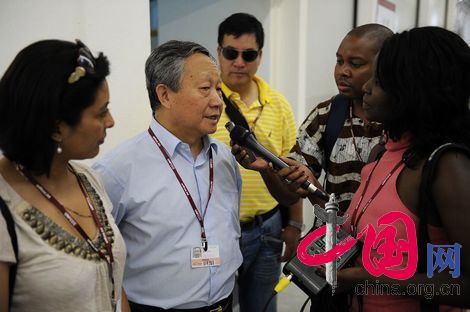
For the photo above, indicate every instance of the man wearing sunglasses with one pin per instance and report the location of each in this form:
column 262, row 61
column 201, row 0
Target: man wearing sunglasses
column 269, row 116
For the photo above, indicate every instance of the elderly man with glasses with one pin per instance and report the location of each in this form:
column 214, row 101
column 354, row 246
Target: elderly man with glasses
column 252, row 103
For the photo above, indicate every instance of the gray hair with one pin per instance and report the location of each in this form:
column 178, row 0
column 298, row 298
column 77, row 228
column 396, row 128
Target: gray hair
column 165, row 65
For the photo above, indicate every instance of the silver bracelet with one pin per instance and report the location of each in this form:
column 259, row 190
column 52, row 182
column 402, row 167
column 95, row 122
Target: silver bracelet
column 299, row 226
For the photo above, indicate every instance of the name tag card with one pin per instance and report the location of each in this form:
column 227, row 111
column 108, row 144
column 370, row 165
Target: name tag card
column 202, row 259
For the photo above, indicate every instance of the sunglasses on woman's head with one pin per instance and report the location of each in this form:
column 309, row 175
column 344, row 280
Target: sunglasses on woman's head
column 247, row 55
column 85, row 61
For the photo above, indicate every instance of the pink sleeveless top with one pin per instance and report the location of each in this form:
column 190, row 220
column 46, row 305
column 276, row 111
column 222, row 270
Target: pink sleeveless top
column 388, row 200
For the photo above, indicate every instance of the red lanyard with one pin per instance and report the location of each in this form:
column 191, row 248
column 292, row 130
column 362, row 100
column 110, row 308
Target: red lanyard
column 199, row 218
column 76, row 225
column 354, row 221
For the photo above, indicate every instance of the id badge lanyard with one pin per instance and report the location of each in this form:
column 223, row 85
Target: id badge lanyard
column 199, row 218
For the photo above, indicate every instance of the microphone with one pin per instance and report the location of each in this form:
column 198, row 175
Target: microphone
column 245, row 138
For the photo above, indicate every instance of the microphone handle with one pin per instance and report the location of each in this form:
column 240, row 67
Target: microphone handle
column 279, row 164
column 259, row 149
column 314, row 190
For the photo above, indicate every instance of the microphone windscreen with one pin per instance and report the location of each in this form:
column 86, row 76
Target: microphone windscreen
column 238, row 134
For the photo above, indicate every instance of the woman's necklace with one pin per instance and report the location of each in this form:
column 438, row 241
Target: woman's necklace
column 77, row 213
column 18, row 168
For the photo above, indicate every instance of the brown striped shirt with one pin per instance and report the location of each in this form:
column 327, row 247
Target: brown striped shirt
column 343, row 170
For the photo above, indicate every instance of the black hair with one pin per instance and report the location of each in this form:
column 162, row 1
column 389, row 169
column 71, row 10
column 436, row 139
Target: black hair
column 375, row 32
column 426, row 73
column 35, row 96
column 239, row 24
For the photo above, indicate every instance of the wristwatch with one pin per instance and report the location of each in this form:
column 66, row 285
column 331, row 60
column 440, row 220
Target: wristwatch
column 299, row 226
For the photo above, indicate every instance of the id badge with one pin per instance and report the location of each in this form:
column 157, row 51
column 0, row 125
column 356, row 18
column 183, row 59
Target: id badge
column 202, row 259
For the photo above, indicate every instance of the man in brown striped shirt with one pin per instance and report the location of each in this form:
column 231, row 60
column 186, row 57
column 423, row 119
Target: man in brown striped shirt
column 354, row 64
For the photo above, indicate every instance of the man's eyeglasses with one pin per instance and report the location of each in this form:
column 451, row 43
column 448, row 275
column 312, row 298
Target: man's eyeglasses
column 85, row 61
column 247, row 55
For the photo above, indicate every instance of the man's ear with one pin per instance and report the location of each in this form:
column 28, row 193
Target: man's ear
column 164, row 95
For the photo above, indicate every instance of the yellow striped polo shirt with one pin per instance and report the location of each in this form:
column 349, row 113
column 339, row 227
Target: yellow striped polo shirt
column 275, row 129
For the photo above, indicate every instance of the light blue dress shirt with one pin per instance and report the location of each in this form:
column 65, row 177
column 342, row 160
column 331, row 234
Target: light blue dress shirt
column 159, row 225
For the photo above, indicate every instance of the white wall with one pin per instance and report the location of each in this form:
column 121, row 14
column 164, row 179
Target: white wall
column 460, row 21
column 286, row 57
column 451, row 14
column 325, row 33
column 119, row 28
column 404, row 18
column 432, row 13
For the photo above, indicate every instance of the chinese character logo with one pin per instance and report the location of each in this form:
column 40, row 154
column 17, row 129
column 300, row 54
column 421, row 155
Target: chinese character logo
column 389, row 249
column 442, row 257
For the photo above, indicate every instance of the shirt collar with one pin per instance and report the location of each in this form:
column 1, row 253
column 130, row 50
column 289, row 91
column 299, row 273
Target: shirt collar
column 263, row 88
column 209, row 141
column 171, row 142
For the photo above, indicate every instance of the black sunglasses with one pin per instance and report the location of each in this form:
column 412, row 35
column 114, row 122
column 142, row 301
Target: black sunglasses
column 247, row 55
column 85, row 61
